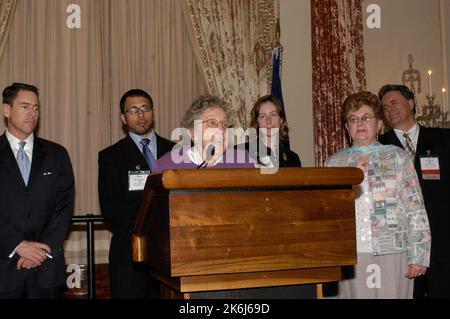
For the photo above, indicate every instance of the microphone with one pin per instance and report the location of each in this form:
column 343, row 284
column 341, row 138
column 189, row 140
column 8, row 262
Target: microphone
column 210, row 150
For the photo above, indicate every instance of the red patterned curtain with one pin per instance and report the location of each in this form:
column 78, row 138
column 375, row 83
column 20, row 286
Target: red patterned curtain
column 338, row 69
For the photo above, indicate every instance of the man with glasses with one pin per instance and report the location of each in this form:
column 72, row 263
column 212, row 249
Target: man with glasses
column 429, row 149
column 36, row 202
column 123, row 170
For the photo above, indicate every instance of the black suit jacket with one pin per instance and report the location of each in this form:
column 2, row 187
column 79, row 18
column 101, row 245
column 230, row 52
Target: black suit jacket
column 287, row 157
column 120, row 206
column 38, row 212
column 436, row 193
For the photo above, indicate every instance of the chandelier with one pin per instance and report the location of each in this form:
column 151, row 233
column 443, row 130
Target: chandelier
column 431, row 114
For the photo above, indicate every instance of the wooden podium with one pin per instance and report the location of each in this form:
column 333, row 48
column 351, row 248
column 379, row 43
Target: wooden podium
column 213, row 230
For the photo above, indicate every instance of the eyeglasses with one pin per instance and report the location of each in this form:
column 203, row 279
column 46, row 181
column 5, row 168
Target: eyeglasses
column 215, row 124
column 364, row 119
column 134, row 109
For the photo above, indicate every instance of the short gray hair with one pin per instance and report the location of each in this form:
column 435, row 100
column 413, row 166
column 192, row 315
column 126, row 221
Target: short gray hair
column 200, row 105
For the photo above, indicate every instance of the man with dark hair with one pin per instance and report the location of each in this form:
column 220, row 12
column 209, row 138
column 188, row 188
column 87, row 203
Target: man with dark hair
column 429, row 149
column 36, row 199
column 402, row 89
column 123, row 170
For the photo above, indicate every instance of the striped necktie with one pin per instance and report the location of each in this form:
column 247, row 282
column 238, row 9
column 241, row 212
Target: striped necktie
column 147, row 153
column 409, row 146
column 24, row 162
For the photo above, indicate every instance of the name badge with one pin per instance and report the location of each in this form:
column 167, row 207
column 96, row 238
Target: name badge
column 430, row 168
column 136, row 180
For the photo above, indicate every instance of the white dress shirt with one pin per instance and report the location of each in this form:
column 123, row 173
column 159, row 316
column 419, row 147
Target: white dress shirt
column 152, row 146
column 197, row 159
column 14, row 142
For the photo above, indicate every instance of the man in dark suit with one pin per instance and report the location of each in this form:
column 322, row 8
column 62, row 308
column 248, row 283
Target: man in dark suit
column 430, row 151
column 36, row 202
column 123, row 169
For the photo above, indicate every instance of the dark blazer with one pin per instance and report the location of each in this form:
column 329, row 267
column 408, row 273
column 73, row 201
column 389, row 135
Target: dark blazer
column 38, row 212
column 288, row 158
column 436, row 193
column 118, row 205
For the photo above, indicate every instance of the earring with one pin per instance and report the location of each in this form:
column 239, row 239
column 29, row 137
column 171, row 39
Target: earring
column 376, row 136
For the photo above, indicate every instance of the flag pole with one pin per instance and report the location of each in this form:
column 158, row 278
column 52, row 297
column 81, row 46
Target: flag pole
column 277, row 57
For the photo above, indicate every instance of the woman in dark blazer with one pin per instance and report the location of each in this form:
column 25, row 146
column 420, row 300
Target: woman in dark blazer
column 269, row 119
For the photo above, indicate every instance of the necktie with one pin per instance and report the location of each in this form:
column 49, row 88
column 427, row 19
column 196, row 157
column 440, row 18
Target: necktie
column 409, row 146
column 146, row 151
column 24, row 162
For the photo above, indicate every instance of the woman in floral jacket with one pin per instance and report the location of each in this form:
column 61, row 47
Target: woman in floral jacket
column 393, row 235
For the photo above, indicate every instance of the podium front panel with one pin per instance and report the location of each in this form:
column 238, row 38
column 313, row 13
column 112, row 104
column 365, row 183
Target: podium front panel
column 235, row 231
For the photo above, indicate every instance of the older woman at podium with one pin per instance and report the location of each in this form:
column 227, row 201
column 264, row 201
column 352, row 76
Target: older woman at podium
column 392, row 230
column 205, row 127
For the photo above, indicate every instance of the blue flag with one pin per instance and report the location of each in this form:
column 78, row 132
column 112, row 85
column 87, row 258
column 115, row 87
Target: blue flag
column 276, row 75
column 276, row 79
